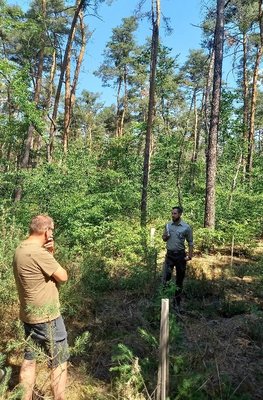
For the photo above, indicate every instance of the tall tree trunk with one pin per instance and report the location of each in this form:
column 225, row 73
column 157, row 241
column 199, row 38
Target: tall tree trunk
column 29, row 140
column 196, row 138
column 51, row 79
column 151, row 104
column 70, row 89
column 251, row 131
column 79, row 60
column 79, row 6
column 211, row 158
column 30, row 133
column 245, row 105
column 50, row 89
column 66, row 106
column 125, row 105
column 207, row 100
column 10, row 118
column 119, row 107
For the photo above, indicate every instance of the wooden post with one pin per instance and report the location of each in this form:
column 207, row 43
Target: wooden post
column 152, row 233
column 152, row 255
column 232, row 250
column 163, row 370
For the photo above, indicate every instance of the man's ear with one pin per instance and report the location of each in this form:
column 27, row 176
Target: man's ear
column 46, row 236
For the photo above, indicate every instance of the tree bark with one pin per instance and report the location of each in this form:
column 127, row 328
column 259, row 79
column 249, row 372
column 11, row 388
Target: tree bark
column 245, row 105
column 79, row 60
column 207, row 101
column 119, row 107
column 79, row 6
column 151, row 104
column 251, row 132
column 29, row 140
column 30, row 133
column 67, row 100
column 211, row 158
column 70, row 88
column 196, row 139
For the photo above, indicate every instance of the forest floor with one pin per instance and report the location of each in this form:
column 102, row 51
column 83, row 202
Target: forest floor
column 221, row 331
column 217, row 346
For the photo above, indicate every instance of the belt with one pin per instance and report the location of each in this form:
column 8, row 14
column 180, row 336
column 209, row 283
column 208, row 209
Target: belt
column 176, row 251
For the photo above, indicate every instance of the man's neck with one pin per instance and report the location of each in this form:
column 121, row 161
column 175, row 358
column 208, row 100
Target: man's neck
column 38, row 239
column 177, row 222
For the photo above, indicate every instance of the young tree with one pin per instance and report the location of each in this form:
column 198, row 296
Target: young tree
column 118, row 66
column 195, row 72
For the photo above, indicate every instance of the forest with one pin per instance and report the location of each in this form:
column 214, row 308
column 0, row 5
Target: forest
column 176, row 134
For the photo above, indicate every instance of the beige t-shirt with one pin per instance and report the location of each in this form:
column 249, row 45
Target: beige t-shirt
column 38, row 293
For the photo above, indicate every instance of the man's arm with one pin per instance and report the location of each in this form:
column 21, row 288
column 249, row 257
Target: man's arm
column 165, row 234
column 190, row 251
column 189, row 239
column 60, row 275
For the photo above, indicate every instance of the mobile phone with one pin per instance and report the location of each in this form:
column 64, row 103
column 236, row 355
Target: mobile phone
column 50, row 239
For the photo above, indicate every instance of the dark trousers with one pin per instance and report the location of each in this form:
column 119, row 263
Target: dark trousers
column 177, row 260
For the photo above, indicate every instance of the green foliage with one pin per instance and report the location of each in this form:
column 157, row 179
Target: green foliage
column 230, row 308
column 149, row 338
column 199, row 288
column 93, row 192
column 188, row 388
column 16, row 394
column 95, row 277
column 207, row 240
column 119, row 48
column 254, row 331
column 18, row 81
column 10, row 234
column 129, row 382
column 80, row 344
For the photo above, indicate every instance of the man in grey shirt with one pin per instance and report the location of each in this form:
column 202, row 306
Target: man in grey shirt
column 175, row 234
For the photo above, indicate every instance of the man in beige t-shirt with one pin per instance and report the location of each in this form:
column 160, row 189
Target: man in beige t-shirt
column 37, row 275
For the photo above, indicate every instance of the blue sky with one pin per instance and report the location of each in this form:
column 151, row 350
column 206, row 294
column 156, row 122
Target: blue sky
column 184, row 17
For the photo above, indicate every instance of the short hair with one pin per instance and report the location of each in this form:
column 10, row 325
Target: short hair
column 40, row 223
column 179, row 209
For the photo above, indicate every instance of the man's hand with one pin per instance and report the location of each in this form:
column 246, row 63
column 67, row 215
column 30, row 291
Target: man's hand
column 187, row 258
column 165, row 237
column 50, row 245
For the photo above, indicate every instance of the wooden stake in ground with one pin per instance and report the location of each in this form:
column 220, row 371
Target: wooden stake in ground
column 232, row 250
column 163, row 370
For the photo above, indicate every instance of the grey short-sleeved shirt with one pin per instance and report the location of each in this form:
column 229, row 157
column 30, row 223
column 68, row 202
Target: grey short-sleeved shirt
column 179, row 233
